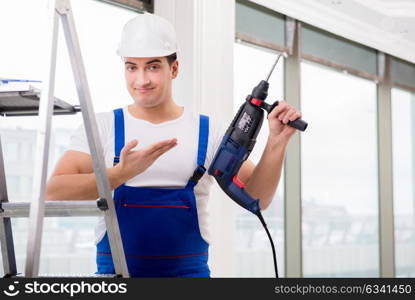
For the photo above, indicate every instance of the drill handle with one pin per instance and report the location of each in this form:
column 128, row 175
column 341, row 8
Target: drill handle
column 297, row 124
column 237, row 192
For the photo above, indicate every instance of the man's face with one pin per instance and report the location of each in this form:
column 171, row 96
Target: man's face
column 149, row 79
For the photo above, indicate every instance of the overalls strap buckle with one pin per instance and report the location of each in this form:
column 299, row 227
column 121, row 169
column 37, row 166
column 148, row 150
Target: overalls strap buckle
column 116, row 161
column 198, row 173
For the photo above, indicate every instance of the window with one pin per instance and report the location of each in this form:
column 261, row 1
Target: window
column 27, row 152
column 12, row 151
column 403, row 147
column 339, row 175
column 254, row 255
column 12, row 184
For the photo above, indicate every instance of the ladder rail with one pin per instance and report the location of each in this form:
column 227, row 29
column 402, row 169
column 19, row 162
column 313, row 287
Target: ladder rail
column 62, row 10
column 95, row 146
column 6, row 233
column 42, row 152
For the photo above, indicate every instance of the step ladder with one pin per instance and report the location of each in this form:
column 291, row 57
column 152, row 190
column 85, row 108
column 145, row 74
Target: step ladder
column 39, row 208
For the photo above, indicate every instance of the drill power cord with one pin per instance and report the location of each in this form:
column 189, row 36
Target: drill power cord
column 261, row 218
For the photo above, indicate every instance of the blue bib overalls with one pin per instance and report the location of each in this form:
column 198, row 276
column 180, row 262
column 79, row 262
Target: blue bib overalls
column 159, row 227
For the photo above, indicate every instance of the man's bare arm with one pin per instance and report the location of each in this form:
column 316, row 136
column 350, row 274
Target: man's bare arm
column 79, row 186
column 74, row 179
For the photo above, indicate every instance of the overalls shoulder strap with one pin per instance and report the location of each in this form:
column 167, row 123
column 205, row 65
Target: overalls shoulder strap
column 119, row 134
column 203, row 139
column 201, row 150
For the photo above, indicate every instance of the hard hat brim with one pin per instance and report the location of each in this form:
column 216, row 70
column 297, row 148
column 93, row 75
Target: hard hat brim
column 148, row 53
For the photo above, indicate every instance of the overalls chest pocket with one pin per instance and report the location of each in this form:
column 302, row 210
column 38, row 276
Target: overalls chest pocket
column 155, row 217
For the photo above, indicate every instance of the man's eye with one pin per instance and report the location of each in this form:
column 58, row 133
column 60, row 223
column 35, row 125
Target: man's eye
column 131, row 68
column 154, row 67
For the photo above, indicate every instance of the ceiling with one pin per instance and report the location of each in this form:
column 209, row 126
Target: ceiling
column 386, row 25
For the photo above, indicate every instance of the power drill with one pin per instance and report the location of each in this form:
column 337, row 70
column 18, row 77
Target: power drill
column 237, row 144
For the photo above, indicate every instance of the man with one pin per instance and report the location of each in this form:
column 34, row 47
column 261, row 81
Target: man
column 161, row 208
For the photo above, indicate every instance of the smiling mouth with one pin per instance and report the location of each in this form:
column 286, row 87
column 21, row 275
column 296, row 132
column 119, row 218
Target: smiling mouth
column 144, row 90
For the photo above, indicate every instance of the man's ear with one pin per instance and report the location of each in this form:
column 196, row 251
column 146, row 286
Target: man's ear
column 174, row 69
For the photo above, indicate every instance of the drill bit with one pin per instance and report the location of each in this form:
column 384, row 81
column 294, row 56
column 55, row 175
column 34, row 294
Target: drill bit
column 273, row 67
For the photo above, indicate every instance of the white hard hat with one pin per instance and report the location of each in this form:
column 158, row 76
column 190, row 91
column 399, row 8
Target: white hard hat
column 147, row 35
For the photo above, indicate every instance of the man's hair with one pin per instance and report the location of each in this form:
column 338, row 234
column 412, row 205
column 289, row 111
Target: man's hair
column 171, row 58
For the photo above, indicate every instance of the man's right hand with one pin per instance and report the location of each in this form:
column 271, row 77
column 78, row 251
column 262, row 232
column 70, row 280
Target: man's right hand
column 74, row 177
column 134, row 162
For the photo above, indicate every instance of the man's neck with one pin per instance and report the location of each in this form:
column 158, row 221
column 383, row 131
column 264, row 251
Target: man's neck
column 162, row 113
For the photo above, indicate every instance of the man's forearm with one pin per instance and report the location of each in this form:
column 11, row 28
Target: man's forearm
column 79, row 186
column 264, row 180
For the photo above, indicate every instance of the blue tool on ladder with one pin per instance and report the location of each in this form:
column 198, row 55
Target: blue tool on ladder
column 8, row 80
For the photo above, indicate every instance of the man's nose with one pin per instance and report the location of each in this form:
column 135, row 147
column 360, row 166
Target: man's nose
column 141, row 79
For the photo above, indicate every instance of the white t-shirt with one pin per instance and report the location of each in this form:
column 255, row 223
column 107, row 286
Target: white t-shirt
column 173, row 168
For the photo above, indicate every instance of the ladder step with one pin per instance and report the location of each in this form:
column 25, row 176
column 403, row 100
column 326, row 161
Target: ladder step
column 70, row 208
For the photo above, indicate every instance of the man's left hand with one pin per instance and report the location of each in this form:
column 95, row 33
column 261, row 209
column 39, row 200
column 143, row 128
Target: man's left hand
column 279, row 131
